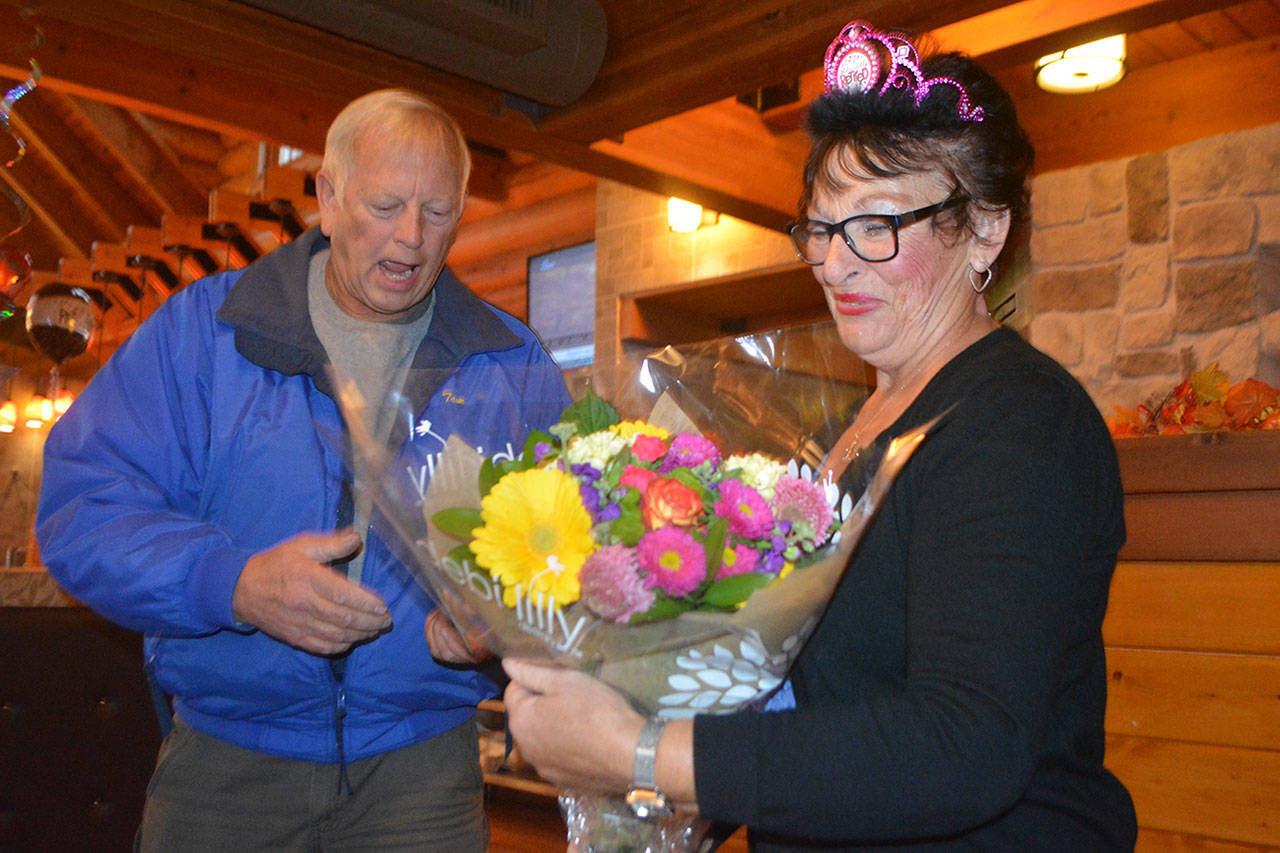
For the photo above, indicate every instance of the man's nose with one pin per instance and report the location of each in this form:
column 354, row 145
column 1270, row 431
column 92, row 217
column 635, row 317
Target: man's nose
column 409, row 228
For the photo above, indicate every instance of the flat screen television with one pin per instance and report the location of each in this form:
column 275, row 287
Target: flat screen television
column 562, row 303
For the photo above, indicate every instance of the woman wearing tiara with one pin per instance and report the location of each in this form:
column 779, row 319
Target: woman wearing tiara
column 953, row 695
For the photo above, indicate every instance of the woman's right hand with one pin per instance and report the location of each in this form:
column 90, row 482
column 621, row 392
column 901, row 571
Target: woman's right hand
column 576, row 731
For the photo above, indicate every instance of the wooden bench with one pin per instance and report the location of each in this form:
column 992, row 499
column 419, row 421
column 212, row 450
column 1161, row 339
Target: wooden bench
column 1193, row 642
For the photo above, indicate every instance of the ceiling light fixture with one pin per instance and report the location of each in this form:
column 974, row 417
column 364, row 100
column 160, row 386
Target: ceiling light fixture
column 1085, row 68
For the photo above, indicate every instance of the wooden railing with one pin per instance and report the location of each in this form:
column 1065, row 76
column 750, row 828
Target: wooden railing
column 134, row 277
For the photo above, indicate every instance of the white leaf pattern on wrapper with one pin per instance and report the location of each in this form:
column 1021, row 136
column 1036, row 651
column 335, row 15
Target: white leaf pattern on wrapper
column 738, row 676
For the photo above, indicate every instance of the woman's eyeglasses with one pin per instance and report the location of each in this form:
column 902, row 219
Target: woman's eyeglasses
column 871, row 236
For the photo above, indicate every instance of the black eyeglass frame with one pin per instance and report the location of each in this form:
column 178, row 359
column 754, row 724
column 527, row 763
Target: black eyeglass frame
column 895, row 221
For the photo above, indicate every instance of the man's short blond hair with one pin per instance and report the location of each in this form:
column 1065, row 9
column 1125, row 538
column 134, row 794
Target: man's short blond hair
column 399, row 113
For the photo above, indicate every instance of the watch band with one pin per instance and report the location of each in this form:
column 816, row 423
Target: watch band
column 644, row 798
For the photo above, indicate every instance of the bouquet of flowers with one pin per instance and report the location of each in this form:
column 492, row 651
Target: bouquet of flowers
column 684, row 572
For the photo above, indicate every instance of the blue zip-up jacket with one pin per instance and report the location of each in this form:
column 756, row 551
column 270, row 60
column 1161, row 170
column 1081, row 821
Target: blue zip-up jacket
column 213, row 434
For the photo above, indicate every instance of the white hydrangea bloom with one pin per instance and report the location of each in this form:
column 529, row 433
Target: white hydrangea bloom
column 760, row 472
column 595, row 449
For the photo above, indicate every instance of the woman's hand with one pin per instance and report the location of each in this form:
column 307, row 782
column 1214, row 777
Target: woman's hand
column 576, row 731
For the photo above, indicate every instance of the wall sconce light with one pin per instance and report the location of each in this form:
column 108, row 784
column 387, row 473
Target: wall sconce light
column 1085, row 68
column 685, row 216
column 38, row 411
column 8, row 416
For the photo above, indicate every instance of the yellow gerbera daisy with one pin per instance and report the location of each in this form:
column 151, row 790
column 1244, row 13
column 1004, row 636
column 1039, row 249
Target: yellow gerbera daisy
column 536, row 534
column 630, row 429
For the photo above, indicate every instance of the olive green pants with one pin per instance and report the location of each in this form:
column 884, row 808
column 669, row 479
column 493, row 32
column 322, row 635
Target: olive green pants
column 206, row 794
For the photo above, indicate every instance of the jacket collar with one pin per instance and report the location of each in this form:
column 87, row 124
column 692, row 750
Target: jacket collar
column 268, row 308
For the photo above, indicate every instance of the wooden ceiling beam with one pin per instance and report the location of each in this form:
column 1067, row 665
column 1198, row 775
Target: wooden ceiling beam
column 188, row 88
column 151, row 169
column 541, row 227
column 723, row 48
column 40, row 186
column 1020, row 33
column 1023, row 32
column 1155, row 108
column 88, row 183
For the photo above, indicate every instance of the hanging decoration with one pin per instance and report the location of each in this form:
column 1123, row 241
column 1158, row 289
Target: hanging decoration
column 60, row 322
column 15, row 265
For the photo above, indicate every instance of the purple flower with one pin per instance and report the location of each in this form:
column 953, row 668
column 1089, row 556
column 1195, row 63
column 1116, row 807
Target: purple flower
column 748, row 514
column 689, row 451
column 590, row 499
column 676, row 563
column 540, row 450
column 611, row 586
column 585, row 472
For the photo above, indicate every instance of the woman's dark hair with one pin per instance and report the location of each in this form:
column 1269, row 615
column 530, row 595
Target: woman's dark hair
column 887, row 135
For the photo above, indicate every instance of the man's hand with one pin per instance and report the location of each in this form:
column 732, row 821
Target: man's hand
column 291, row 593
column 447, row 645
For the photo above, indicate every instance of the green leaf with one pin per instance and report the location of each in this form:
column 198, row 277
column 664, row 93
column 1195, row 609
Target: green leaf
column 688, row 478
column 663, row 608
column 461, row 555
column 731, row 591
column 590, row 414
column 489, row 476
column 713, row 544
column 628, row 527
column 458, row 522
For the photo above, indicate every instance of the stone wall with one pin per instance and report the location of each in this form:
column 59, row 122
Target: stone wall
column 1141, row 269
column 1147, row 268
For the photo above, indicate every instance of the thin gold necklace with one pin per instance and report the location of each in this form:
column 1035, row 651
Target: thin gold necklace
column 855, row 444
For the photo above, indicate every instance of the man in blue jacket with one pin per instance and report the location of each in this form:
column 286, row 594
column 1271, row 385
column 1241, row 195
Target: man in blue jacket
column 199, row 492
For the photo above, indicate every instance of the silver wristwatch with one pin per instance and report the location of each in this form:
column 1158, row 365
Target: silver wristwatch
column 643, row 797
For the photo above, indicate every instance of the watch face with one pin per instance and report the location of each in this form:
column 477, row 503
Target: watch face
column 647, row 802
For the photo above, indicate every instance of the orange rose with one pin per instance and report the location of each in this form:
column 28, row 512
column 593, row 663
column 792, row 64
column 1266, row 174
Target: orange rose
column 669, row 502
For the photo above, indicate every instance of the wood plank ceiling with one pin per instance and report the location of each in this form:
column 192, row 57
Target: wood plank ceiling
column 155, row 115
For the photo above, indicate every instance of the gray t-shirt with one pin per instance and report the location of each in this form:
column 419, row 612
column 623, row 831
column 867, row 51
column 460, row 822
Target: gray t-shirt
column 375, row 358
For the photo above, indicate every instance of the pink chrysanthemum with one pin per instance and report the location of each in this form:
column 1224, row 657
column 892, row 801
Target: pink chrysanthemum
column 611, row 586
column 799, row 501
column 648, row 448
column 689, row 451
column 676, row 563
column 747, row 513
column 738, row 560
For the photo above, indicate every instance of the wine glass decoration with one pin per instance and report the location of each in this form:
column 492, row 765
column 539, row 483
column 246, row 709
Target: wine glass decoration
column 59, row 322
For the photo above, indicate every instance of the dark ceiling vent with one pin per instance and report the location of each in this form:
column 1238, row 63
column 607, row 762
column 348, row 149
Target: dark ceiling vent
column 548, row 51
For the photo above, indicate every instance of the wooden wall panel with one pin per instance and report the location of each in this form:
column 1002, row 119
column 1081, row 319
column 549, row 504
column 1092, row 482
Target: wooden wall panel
column 1216, row 792
column 1232, row 700
column 1193, row 711
column 1212, row 607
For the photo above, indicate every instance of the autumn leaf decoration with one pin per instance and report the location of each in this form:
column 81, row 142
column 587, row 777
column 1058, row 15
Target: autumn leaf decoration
column 1206, row 401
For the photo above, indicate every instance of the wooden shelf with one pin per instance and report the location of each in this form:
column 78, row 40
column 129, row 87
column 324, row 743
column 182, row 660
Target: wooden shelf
column 730, row 305
column 1207, row 496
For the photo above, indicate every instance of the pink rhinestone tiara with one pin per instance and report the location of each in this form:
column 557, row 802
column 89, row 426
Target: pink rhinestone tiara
column 853, row 65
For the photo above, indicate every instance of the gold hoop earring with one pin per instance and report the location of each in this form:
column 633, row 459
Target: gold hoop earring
column 986, row 282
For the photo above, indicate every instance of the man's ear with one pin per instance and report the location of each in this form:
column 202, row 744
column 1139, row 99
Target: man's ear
column 326, row 196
